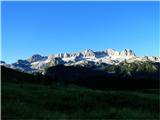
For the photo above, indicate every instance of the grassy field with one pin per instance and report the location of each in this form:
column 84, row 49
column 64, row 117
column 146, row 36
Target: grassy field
column 22, row 101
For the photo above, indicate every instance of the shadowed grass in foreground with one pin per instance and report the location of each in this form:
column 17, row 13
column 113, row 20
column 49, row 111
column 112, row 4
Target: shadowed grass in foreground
column 65, row 102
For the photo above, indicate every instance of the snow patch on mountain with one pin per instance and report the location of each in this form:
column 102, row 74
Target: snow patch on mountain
column 86, row 58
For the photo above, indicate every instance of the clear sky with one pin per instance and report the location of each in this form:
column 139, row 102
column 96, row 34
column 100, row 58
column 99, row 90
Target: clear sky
column 56, row 27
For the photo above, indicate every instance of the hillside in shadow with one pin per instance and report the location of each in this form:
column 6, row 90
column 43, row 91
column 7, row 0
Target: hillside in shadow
column 123, row 76
column 103, row 79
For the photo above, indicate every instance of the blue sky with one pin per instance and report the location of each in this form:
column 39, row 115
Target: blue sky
column 55, row 27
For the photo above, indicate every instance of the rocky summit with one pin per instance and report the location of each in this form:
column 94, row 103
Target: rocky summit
column 88, row 57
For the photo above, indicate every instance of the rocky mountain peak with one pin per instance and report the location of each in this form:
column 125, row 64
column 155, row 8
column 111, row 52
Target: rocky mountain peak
column 25, row 62
column 87, row 57
column 66, row 55
column 89, row 53
column 88, row 50
column 110, row 52
column 2, row 62
column 35, row 58
column 128, row 53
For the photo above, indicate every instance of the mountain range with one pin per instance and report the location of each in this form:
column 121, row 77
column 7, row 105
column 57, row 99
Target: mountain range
column 38, row 63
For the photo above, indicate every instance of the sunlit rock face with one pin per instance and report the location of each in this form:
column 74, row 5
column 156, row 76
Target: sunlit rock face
column 88, row 53
column 127, row 53
column 110, row 52
column 84, row 58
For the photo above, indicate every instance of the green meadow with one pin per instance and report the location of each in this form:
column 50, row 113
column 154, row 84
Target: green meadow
column 35, row 101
